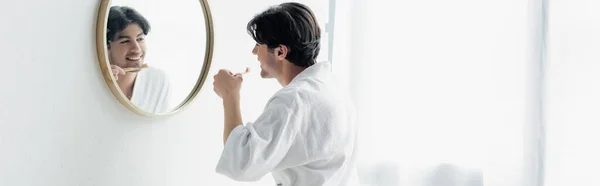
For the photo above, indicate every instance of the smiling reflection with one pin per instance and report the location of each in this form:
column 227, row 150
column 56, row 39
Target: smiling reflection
column 146, row 87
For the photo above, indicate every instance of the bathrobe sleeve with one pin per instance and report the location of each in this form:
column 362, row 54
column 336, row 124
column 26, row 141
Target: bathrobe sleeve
column 272, row 142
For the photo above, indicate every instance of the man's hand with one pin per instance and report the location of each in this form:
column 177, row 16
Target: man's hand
column 227, row 84
column 116, row 71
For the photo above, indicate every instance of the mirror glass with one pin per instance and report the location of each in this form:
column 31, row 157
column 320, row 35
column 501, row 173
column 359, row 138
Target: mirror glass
column 156, row 52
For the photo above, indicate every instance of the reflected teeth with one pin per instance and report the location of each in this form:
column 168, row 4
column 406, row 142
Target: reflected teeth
column 134, row 59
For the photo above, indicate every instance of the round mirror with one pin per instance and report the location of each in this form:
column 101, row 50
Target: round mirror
column 154, row 54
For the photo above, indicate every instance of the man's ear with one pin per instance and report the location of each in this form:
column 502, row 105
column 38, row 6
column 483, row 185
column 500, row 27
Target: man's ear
column 281, row 51
column 108, row 49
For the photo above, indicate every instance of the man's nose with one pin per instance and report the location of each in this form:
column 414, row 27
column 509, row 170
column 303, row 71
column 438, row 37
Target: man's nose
column 255, row 50
column 136, row 47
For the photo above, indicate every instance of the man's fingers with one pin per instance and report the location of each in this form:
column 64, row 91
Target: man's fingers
column 115, row 74
column 224, row 71
column 117, row 70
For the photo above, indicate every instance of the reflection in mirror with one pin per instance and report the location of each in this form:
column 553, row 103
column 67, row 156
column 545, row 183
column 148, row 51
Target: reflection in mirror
column 156, row 51
column 126, row 33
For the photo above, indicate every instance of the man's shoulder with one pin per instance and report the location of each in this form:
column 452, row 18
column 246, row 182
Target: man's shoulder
column 155, row 75
column 285, row 93
column 304, row 93
column 154, row 72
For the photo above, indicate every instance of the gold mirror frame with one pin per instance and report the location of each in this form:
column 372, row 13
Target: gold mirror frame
column 112, row 83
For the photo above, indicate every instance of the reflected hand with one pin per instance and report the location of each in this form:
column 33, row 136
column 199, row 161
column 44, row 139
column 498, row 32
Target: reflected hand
column 116, row 71
column 227, row 84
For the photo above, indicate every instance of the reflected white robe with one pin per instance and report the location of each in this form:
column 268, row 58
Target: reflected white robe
column 304, row 137
column 151, row 91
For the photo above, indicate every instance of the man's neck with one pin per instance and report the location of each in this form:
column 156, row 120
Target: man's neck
column 126, row 83
column 289, row 72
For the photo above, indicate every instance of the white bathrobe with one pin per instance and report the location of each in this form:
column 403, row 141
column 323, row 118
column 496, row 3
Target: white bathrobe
column 304, row 137
column 151, row 91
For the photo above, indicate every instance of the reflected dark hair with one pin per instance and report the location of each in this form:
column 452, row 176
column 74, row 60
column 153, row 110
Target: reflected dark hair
column 120, row 17
column 291, row 24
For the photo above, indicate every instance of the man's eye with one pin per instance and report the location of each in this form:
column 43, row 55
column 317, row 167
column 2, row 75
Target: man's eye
column 141, row 39
column 125, row 41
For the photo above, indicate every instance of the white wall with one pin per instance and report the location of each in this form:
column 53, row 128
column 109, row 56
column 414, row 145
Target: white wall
column 572, row 93
column 61, row 126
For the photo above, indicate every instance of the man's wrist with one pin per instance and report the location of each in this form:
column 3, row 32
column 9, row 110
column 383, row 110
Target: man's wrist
column 232, row 97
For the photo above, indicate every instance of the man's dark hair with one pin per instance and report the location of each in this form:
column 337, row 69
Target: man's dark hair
column 291, row 24
column 120, row 17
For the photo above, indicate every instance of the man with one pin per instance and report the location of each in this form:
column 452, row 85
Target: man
column 148, row 88
column 306, row 133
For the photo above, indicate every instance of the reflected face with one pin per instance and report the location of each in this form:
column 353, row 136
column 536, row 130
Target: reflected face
column 267, row 59
column 128, row 48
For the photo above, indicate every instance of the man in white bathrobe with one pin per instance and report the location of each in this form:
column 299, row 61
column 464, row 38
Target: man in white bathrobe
column 148, row 88
column 306, row 133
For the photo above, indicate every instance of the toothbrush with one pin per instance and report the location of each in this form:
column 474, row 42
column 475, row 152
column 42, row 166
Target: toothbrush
column 135, row 68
